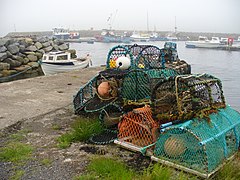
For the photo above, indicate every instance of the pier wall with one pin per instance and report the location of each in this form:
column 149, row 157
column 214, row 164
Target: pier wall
column 19, row 57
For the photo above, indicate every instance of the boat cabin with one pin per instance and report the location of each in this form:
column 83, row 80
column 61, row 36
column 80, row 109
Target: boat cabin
column 56, row 56
column 202, row 38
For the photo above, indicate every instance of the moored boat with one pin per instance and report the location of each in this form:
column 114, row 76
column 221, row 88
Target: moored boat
column 203, row 42
column 137, row 37
column 61, row 33
column 57, row 62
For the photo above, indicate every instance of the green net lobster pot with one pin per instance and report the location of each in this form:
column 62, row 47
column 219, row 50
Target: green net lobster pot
column 137, row 85
column 201, row 145
column 184, row 97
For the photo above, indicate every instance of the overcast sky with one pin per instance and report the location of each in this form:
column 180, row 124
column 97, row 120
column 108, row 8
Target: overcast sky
column 191, row 15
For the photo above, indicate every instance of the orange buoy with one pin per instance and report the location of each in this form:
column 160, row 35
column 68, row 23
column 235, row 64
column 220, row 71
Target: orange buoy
column 104, row 89
column 174, row 147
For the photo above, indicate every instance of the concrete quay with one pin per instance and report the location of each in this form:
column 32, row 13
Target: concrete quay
column 25, row 99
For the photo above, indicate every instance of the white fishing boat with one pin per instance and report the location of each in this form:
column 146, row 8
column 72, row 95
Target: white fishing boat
column 203, row 42
column 61, row 33
column 137, row 37
column 60, row 61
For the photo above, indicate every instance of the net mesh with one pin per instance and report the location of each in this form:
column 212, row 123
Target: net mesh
column 138, row 127
column 199, row 144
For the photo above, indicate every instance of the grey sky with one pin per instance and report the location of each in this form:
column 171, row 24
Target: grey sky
column 192, row 15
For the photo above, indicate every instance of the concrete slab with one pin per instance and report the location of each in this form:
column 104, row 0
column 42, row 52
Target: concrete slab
column 28, row 98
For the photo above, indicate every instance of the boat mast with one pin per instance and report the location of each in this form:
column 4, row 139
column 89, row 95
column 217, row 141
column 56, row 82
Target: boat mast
column 175, row 28
column 147, row 23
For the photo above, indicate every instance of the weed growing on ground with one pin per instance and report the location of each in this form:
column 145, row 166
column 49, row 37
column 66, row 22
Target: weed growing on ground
column 156, row 171
column 18, row 174
column 46, row 162
column 19, row 136
column 230, row 170
column 107, row 168
column 56, row 127
column 82, row 130
column 15, row 152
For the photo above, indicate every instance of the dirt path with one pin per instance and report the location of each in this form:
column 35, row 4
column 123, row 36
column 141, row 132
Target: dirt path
column 28, row 98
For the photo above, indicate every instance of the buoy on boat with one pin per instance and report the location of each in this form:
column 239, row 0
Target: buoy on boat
column 123, row 62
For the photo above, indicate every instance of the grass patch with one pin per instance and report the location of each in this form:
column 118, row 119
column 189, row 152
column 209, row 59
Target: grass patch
column 157, row 171
column 107, row 168
column 15, row 152
column 82, row 130
column 20, row 135
column 56, row 127
column 18, row 174
column 229, row 171
column 46, row 162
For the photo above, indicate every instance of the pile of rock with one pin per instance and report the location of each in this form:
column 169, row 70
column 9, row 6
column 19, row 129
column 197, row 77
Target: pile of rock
column 19, row 58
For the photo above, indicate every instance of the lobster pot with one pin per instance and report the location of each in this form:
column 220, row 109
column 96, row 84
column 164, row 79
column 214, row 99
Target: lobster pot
column 84, row 94
column 185, row 97
column 138, row 84
column 138, row 128
column 201, row 145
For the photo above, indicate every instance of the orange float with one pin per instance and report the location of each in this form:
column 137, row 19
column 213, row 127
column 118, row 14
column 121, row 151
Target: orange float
column 104, row 89
column 174, row 147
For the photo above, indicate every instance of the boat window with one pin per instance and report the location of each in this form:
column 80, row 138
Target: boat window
column 50, row 57
column 44, row 57
column 63, row 57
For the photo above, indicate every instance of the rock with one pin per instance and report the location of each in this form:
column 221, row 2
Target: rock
column 41, row 51
column 4, row 66
column 3, row 56
column 39, row 55
column 18, row 58
column 23, row 43
column 42, row 39
column 3, row 49
column 72, row 51
column 13, row 49
column 33, row 64
column 58, row 41
column 38, row 45
column 32, row 58
column 21, row 55
column 9, row 54
column 47, row 49
column 63, row 47
column 29, row 53
column 29, row 41
column 31, row 48
column 13, row 63
column 55, row 47
column 22, row 48
column 26, row 60
column 21, row 68
column 46, row 44
column 4, row 42
column 8, row 72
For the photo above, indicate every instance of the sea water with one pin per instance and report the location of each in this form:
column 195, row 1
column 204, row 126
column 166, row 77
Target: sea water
column 219, row 63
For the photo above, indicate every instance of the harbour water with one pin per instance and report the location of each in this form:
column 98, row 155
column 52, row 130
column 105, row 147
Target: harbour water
column 219, row 63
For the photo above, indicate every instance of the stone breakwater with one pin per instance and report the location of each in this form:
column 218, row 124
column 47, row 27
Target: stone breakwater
column 19, row 57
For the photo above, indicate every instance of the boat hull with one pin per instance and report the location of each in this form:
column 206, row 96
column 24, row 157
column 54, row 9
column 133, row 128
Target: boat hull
column 54, row 68
column 195, row 44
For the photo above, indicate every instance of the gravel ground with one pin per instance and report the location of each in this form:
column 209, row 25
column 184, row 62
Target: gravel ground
column 61, row 163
